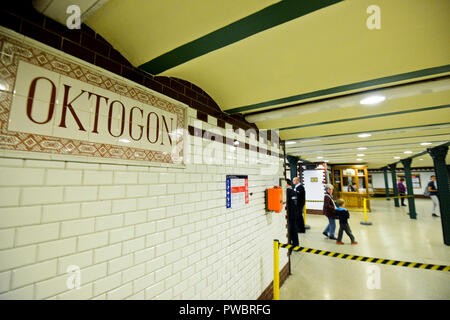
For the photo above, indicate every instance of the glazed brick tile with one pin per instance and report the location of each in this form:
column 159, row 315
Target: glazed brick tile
column 94, row 44
column 221, row 123
column 170, row 92
column 41, row 35
column 177, row 86
column 191, row 93
column 163, row 80
column 107, row 64
column 10, row 21
column 53, row 26
column 25, row 11
column 118, row 57
column 152, row 84
column 202, row 116
column 78, row 51
column 132, row 75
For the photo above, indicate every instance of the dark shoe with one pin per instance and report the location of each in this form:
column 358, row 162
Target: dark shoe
column 333, row 238
column 325, row 234
column 403, row 205
column 435, row 215
column 339, row 242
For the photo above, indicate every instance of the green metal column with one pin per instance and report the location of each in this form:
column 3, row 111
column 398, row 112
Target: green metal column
column 293, row 161
column 438, row 154
column 394, row 183
column 409, row 187
column 386, row 181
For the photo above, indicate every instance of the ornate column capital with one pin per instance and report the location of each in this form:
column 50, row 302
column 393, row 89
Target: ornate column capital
column 438, row 153
column 292, row 159
column 406, row 163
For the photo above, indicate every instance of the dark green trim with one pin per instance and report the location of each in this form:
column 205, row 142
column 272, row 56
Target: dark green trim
column 359, row 142
column 264, row 19
column 343, row 88
column 380, row 130
column 366, row 152
column 366, row 117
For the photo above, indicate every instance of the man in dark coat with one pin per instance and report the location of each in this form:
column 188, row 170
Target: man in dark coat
column 291, row 204
column 300, row 204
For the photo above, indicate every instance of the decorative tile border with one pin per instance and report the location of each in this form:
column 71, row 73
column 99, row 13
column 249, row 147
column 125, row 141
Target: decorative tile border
column 13, row 49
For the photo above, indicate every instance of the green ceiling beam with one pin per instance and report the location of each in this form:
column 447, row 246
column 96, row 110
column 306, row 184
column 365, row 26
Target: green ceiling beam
column 264, row 19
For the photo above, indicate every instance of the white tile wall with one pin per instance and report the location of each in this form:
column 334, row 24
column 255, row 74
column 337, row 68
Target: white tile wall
column 135, row 232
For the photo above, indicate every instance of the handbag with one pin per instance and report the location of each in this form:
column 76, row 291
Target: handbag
column 426, row 192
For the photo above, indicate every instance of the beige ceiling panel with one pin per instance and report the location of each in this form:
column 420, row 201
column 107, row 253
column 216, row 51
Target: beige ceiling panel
column 323, row 50
column 142, row 30
column 404, row 120
column 388, row 106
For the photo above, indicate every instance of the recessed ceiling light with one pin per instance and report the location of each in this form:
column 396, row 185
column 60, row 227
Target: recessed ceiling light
column 359, row 159
column 362, row 148
column 291, row 142
column 364, row 135
column 326, row 160
column 425, row 143
column 408, row 152
column 421, row 159
column 396, row 157
column 372, row 100
column 124, row 140
column 360, row 155
column 319, row 157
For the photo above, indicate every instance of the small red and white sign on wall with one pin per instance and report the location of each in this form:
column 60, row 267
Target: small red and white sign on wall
column 237, row 191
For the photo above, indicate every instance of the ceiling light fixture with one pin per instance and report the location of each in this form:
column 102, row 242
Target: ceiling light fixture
column 425, row 143
column 362, row 148
column 408, row 152
column 396, row 157
column 359, row 159
column 372, row 100
column 360, row 155
column 319, row 157
column 124, row 140
column 364, row 135
column 291, row 142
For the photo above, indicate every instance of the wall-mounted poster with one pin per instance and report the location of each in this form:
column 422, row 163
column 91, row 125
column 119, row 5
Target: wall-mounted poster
column 415, row 180
column 237, row 191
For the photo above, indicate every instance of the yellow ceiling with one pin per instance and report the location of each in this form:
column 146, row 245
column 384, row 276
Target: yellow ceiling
column 323, row 50
column 142, row 30
column 314, row 68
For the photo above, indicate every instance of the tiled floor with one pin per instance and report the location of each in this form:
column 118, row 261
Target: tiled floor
column 393, row 235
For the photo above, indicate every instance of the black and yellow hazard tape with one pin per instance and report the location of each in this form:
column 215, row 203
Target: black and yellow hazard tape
column 416, row 265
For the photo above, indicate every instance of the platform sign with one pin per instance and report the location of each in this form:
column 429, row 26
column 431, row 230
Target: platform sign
column 237, row 191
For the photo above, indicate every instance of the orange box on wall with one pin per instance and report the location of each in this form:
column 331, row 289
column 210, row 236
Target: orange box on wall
column 274, row 199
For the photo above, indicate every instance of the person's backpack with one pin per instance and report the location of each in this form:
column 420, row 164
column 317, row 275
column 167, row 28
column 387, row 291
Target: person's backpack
column 426, row 192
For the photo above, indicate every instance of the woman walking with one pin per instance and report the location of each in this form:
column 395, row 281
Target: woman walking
column 402, row 190
column 329, row 210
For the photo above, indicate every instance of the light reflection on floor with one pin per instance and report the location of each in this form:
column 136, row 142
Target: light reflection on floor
column 393, row 235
